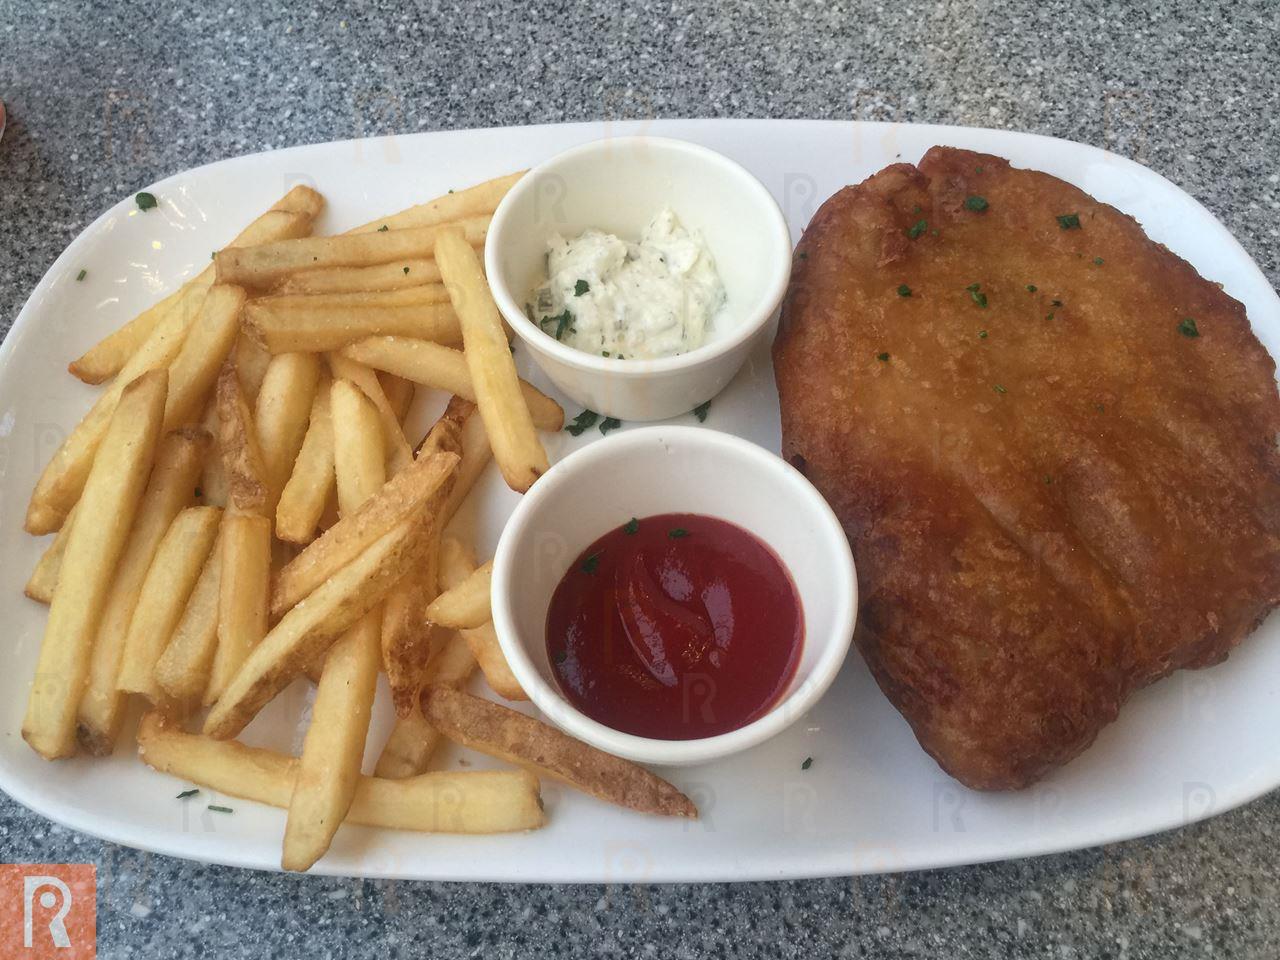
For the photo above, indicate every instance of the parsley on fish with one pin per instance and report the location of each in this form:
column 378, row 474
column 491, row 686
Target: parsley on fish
column 917, row 228
column 1069, row 221
column 904, row 290
column 1188, row 328
column 976, row 203
column 882, row 357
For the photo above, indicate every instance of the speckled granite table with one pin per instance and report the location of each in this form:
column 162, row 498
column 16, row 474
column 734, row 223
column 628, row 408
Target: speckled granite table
column 106, row 97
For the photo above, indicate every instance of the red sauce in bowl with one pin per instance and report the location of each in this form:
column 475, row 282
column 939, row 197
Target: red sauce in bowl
column 675, row 627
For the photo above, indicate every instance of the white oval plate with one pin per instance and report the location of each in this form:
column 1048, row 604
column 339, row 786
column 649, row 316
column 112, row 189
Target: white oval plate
column 1184, row 749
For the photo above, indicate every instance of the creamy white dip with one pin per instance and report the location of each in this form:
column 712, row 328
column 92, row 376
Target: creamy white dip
column 655, row 298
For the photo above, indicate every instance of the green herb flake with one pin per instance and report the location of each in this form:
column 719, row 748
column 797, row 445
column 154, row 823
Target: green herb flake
column 999, row 389
column 978, row 296
column 580, row 288
column 199, row 492
column 609, row 423
column 677, row 533
column 219, row 809
column 982, row 334
column 904, row 290
column 700, row 411
column 146, row 201
column 81, row 275
column 1069, row 221
column 1100, row 407
column 1098, row 261
column 383, row 229
column 563, row 322
column 187, row 793
column 882, row 357
column 976, row 203
column 1056, row 303
column 917, row 228
column 406, row 271
column 808, row 762
column 1032, row 288
column 589, row 565
column 1188, row 328
column 583, row 422
column 605, row 353
column 1049, row 316
column 802, row 255
column 560, row 656
column 632, row 527
column 916, row 208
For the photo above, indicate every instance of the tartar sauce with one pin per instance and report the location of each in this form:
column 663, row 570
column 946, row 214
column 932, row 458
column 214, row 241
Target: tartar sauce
column 655, row 298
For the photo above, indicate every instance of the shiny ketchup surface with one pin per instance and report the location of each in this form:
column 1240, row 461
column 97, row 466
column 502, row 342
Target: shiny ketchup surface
column 675, row 627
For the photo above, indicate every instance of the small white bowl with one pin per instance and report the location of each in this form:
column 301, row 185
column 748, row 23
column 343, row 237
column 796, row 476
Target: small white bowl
column 666, row 469
column 617, row 185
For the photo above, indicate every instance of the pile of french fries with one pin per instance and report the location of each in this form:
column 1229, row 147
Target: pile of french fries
column 242, row 508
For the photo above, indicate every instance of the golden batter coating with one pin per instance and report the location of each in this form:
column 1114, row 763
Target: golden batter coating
column 1051, row 442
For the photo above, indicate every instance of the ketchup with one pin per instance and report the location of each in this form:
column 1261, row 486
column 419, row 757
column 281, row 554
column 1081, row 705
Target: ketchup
column 675, row 627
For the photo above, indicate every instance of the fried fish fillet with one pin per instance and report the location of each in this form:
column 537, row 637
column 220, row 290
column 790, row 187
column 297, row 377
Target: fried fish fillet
column 1052, row 445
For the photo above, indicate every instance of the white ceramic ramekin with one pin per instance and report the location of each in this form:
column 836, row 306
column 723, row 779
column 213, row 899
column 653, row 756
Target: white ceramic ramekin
column 665, row 469
column 617, row 185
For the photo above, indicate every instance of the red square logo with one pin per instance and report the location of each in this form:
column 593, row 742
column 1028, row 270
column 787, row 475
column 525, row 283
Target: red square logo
column 49, row 911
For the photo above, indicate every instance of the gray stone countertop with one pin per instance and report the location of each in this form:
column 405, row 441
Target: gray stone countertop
column 104, row 98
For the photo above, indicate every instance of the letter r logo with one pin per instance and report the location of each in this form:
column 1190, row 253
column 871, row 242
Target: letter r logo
column 48, row 911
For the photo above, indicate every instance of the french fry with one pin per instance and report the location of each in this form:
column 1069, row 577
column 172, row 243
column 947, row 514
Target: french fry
column 472, row 801
column 182, row 672
column 515, row 444
column 475, row 201
column 169, row 489
column 290, row 218
column 44, row 578
column 308, row 630
column 399, row 454
column 443, row 368
column 243, row 596
column 242, row 458
column 329, row 767
column 281, row 414
column 413, row 740
column 405, row 494
column 457, row 563
column 207, row 344
column 262, row 265
column 169, row 582
column 465, row 605
column 502, row 732
column 213, row 478
column 64, row 477
column 251, row 360
column 312, row 480
column 399, row 393
column 283, row 324
column 476, row 455
column 111, row 493
column 398, row 275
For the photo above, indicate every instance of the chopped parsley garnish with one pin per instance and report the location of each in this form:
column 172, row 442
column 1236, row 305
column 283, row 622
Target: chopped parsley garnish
column 632, row 526
column 802, row 255
column 904, row 290
column 605, row 353
column 1188, row 328
column 1056, row 303
column 406, row 271
column 580, row 288
column 916, row 208
column 1031, row 288
column 562, row 322
column 700, row 411
column 1000, row 389
column 383, row 229
column 978, row 296
column 609, row 423
column 146, row 201
column 917, row 228
column 81, row 275
column 560, row 656
column 882, row 357
column 677, row 532
column 808, row 762
column 977, row 169
column 582, row 422
column 589, row 565
column 1100, row 408
column 199, row 492
column 975, row 202
column 187, row 793
column 219, row 809
column 1049, row 316
column 1098, row 261
column 1069, row 221
column 982, row 334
